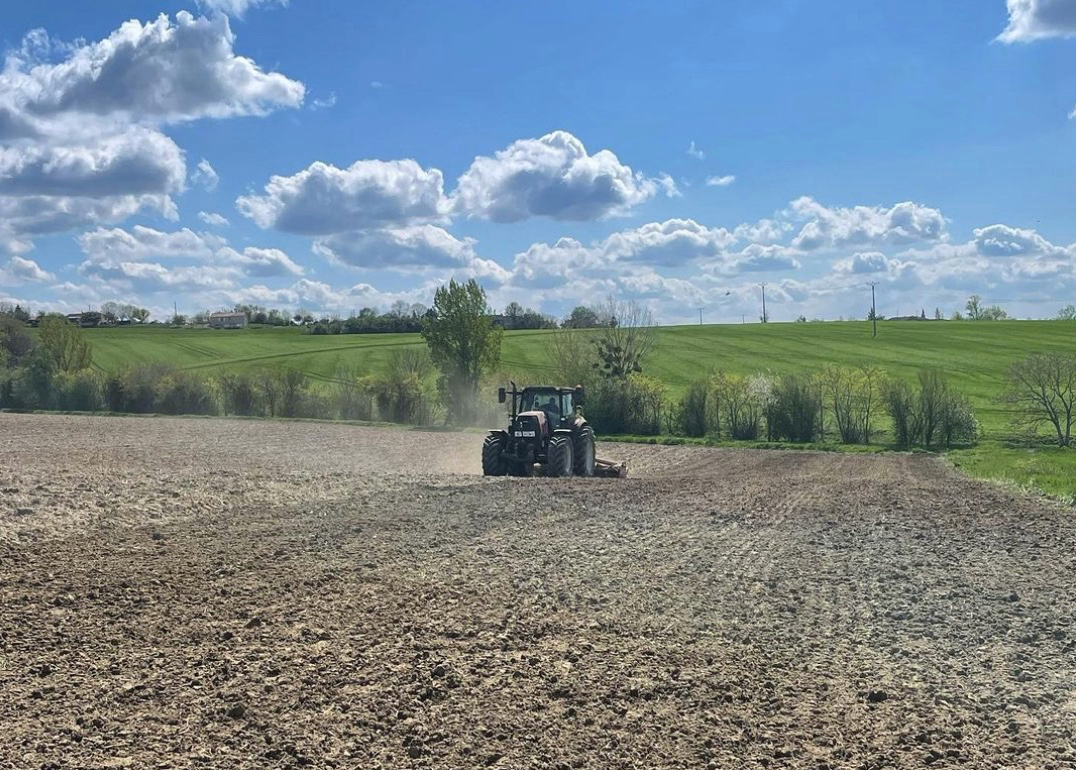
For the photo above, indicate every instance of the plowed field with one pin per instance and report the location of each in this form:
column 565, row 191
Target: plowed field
column 217, row 593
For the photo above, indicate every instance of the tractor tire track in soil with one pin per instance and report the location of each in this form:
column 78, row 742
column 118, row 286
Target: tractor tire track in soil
column 226, row 593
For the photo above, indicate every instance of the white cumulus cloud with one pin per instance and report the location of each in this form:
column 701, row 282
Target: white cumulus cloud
column 553, row 176
column 1037, row 19
column 904, row 223
column 213, row 219
column 259, row 263
column 20, row 270
column 206, row 175
column 720, row 181
column 237, row 8
column 419, row 246
column 141, row 243
column 323, row 199
column 160, row 71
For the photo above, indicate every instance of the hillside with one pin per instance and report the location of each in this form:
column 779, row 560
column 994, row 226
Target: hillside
column 975, row 354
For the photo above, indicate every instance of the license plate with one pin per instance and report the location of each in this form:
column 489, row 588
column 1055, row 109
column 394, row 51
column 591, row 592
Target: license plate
column 524, row 434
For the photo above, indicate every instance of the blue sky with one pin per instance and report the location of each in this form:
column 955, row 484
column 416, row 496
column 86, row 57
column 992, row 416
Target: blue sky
column 332, row 156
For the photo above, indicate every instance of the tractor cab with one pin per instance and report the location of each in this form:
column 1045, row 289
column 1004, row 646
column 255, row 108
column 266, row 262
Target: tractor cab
column 556, row 405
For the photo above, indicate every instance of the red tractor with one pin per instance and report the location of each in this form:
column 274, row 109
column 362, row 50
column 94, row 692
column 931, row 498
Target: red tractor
column 547, row 429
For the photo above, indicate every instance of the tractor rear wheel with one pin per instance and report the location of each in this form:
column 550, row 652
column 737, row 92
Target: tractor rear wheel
column 493, row 463
column 560, row 456
column 585, row 455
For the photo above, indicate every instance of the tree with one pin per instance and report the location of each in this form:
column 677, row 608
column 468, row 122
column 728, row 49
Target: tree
column 63, row 345
column 994, row 313
column 1042, row 390
column 514, row 311
column 923, row 313
column 1067, row 313
column 974, row 308
column 14, row 311
column 871, row 316
column 572, row 356
column 627, row 335
column 139, row 314
column 582, row 317
column 464, row 344
column 937, row 314
column 15, row 342
column 956, row 316
column 111, row 312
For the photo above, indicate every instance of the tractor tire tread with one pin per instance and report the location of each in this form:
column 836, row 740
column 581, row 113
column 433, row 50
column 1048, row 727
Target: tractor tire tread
column 493, row 463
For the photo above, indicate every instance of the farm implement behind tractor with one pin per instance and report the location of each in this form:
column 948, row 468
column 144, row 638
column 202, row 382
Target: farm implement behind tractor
column 546, row 429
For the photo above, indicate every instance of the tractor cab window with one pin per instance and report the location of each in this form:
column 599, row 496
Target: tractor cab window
column 548, row 402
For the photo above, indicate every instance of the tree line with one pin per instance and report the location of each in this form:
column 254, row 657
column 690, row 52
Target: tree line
column 453, row 379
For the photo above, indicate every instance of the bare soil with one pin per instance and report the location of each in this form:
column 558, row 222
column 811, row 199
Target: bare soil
column 222, row 593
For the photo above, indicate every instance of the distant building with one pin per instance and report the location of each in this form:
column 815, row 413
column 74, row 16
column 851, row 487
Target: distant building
column 227, row 320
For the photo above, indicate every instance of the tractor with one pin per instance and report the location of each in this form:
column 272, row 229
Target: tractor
column 546, row 429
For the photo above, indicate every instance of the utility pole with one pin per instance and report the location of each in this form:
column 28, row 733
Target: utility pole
column 765, row 318
column 700, row 316
column 874, row 311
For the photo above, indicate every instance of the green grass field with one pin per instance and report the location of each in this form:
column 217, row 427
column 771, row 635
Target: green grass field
column 974, row 354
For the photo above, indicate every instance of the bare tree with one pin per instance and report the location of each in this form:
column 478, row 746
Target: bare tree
column 1042, row 389
column 626, row 336
column 572, row 356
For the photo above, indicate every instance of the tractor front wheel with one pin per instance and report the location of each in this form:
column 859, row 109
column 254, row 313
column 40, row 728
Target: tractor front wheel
column 561, row 460
column 493, row 463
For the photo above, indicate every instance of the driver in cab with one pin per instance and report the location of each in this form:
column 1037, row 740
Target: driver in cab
column 552, row 410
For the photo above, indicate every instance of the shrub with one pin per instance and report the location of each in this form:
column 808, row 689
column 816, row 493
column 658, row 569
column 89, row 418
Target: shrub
column 354, row 401
column 958, row 424
column 184, row 393
column 317, row 406
column 903, row 408
column 691, row 412
column 135, row 390
column 738, row 404
column 239, row 394
column 15, row 341
column 78, row 391
column 850, row 395
column 930, row 416
column 268, row 389
column 30, row 385
column 933, row 398
column 402, row 394
column 293, row 385
column 627, row 405
column 794, row 409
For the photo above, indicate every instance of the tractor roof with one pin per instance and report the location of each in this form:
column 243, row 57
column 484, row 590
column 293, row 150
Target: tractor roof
column 548, row 389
